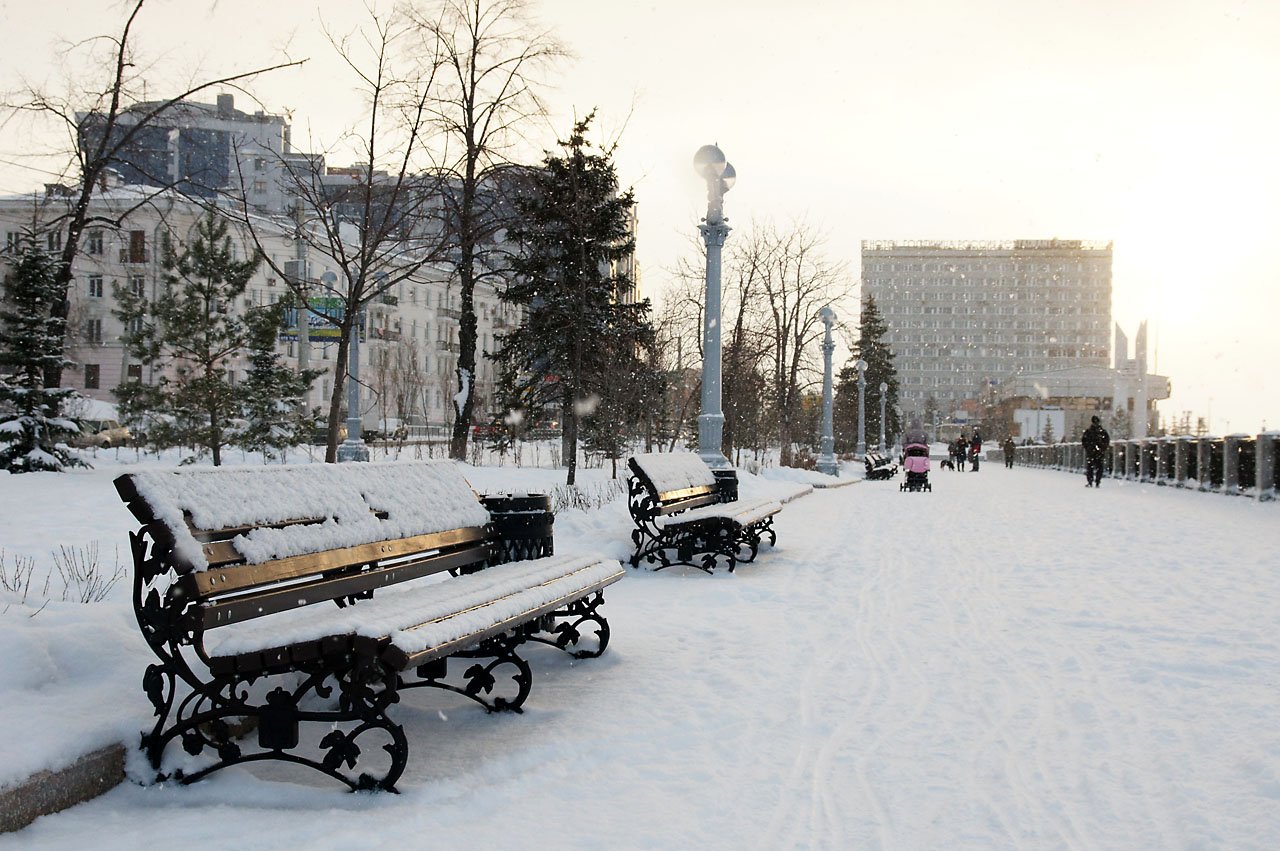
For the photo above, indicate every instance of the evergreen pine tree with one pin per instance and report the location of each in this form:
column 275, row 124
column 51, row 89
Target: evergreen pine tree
column 192, row 337
column 871, row 347
column 272, row 393
column 32, row 431
column 581, row 340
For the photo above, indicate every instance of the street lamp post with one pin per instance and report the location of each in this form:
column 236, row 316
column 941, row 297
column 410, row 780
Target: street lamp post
column 884, row 398
column 710, row 163
column 827, row 459
column 862, row 408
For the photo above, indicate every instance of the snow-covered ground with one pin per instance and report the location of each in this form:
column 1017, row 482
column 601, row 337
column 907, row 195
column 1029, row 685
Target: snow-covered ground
column 1010, row 661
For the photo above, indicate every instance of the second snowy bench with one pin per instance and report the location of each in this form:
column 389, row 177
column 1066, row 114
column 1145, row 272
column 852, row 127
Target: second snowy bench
column 231, row 562
column 684, row 516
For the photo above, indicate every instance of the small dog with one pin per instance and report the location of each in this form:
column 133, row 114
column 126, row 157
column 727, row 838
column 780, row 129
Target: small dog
column 947, row 464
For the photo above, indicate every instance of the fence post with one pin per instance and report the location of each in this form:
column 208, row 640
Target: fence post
column 1231, row 463
column 1146, row 467
column 1204, row 478
column 1266, row 465
column 1180, row 446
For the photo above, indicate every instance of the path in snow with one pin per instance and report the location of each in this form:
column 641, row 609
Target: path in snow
column 1011, row 661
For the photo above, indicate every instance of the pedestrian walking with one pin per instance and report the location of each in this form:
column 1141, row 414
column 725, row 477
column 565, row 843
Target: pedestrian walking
column 1008, row 448
column 975, row 450
column 1095, row 440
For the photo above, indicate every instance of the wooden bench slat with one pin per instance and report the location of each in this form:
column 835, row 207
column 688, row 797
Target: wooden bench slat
column 239, row 609
column 224, row 580
column 400, row 660
column 684, row 493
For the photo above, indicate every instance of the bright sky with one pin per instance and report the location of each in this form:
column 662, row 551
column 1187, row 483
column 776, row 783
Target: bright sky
column 1151, row 123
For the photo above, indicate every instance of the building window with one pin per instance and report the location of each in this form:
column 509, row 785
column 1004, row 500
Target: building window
column 134, row 372
column 92, row 376
column 137, row 250
column 94, row 242
column 11, row 241
column 54, row 240
column 138, row 285
column 95, row 286
column 93, row 331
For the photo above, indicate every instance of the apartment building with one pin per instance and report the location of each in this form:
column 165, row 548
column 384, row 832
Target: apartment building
column 203, row 150
column 965, row 316
column 409, row 350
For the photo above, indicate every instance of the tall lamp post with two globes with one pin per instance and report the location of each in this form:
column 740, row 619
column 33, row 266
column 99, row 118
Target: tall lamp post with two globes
column 861, row 366
column 884, row 397
column 712, row 166
column 826, row 458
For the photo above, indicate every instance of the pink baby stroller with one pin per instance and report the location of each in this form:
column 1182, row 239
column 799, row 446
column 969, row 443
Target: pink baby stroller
column 916, row 463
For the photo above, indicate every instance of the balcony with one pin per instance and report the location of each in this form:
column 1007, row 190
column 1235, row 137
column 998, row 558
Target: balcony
column 444, row 346
column 387, row 298
column 387, row 334
column 449, row 313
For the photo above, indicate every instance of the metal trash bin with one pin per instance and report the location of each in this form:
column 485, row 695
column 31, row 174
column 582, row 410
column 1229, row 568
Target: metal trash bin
column 521, row 525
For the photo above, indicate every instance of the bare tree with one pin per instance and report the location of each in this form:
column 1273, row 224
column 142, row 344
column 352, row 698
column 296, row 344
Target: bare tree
column 377, row 223
column 490, row 56
column 799, row 281
column 120, row 115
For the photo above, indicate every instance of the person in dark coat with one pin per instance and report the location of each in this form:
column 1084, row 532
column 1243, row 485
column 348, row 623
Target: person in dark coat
column 958, row 450
column 1008, row 448
column 1095, row 440
column 975, row 450
column 915, row 434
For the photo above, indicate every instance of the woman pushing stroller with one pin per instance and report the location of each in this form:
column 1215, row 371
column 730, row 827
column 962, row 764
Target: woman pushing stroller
column 915, row 451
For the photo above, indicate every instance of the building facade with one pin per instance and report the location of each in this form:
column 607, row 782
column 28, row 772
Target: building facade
column 409, row 352
column 202, row 150
column 965, row 316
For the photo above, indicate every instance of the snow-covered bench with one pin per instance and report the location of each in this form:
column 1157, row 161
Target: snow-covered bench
column 682, row 517
column 879, row 466
column 228, row 565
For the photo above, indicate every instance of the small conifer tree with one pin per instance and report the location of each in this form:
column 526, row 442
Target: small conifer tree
column 33, row 432
column 271, row 395
column 192, row 337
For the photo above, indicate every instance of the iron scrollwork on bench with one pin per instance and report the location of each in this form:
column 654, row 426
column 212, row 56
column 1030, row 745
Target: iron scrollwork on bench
column 689, row 521
column 313, row 685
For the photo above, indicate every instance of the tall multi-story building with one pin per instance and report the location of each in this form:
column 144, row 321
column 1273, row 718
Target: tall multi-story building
column 965, row 316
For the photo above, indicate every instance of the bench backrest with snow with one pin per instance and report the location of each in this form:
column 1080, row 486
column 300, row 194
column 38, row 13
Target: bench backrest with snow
column 231, row 563
column 676, row 481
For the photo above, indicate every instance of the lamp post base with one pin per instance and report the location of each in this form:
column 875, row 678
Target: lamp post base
column 710, row 438
column 352, row 450
column 829, row 466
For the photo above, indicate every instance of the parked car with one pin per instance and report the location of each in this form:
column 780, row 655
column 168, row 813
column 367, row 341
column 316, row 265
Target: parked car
column 101, row 433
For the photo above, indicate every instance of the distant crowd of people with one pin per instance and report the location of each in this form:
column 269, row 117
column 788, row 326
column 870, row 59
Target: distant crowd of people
column 968, row 449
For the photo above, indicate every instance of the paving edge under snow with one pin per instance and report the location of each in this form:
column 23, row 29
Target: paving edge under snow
column 52, row 791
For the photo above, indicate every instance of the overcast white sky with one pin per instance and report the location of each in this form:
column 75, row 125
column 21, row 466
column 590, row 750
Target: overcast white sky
column 1152, row 124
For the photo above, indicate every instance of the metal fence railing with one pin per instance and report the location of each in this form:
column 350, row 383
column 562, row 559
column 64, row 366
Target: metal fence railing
column 1237, row 465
